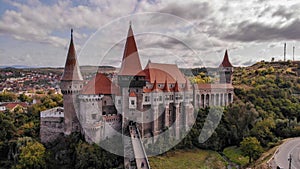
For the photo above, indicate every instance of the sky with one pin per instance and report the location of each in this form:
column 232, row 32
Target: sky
column 188, row 33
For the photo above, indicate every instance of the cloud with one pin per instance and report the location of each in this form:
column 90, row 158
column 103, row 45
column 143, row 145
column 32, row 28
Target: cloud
column 248, row 32
column 37, row 22
column 189, row 11
column 205, row 26
column 282, row 11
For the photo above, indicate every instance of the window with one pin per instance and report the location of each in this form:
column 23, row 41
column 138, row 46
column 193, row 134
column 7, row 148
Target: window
column 147, row 99
column 104, row 102
column 160, row 98
column 132, row 102
column 119, row 101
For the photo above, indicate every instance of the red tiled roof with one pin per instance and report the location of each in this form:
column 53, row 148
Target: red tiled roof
column 132, row 94
column 131, row 64
column 71, row 71
column 155, row 88
column 100, row 84
column 166, row 86
column 176, row 87
column 12, row 105
column 215, row 86
column 226, row 62
column 159, row 72
column 146, row 90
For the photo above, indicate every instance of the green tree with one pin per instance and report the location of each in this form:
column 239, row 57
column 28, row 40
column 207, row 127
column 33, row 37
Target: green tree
column 251, row 147
column 7, row 97
column 262, row 130
column 32, row 155
column 7, row 128
column 23, row 98
column 93, row 156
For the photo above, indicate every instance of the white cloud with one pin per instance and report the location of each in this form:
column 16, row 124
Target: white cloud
column 219, row 24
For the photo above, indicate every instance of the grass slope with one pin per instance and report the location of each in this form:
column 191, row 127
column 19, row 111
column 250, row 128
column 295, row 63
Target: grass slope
column 235, row 155
column 188, row 159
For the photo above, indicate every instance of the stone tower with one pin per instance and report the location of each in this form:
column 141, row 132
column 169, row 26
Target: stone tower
column 71, row 85
column 226, row 70
column 131, row 77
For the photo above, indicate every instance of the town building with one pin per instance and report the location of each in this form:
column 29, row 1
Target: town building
column 12, row 106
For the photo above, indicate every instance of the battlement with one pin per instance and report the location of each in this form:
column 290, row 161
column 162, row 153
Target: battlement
column 54, row 112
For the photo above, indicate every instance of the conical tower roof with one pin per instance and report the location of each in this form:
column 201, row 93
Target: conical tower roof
column 131, row 64
column 155, row 87
column 71, row 71
column 187, row 85
column 226, row 62
column 166, row 86
column 176, row 87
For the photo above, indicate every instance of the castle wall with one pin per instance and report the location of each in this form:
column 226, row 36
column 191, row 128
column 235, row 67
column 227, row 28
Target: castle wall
column 51, row 128
column 90, row 109
column 51, row 124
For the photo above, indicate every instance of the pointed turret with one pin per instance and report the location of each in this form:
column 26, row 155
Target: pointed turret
column 166, row 86
column 71, row 85
column 187, row 85
column 155, row 87
column 131, row 64
column 71, row 71
column 176, row 87
column 226, row 62
column 226, row 70
column 131, row 74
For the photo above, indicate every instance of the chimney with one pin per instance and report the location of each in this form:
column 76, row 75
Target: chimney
column 293, row 53
column 284, row 52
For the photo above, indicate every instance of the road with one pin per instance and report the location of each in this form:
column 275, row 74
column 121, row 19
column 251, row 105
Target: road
column 291, row 147
column 138, row 149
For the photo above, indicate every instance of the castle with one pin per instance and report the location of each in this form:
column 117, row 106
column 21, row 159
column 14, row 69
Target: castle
column 155, row 98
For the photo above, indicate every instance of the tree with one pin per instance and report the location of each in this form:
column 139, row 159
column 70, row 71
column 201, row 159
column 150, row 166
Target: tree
column 251, row 147
column 7, row 128
column 32, row 155
column 262, row 130
column 23, row 98
column 7, row 97
column 93, row 156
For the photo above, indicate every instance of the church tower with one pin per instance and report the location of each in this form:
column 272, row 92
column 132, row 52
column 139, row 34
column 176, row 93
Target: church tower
column 71, row 85
column 226, row 70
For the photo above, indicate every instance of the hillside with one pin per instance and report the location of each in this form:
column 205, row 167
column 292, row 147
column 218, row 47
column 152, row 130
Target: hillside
column 192, row 159
column 261, row 72
column 266, row 107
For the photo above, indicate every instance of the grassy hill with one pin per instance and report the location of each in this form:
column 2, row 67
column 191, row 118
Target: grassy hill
column 263, row 72
column 191, row 159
